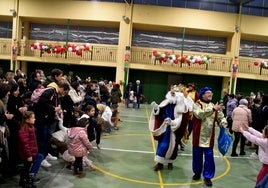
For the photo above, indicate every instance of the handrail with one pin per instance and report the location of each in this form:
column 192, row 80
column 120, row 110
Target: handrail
column 139, row 55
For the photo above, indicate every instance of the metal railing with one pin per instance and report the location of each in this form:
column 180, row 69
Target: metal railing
column 139, row 55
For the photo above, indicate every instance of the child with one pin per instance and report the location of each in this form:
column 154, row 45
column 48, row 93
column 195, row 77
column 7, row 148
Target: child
column 77, row 112
column 105, row 113
column 260, row 139
column 133, row 99
column 114, row 117
column 70, row 159
column 78, row 145
column 94, row 129
column 28, row 150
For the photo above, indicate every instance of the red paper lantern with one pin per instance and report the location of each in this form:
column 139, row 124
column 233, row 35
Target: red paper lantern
column 183, row 58
column 167, row 53
column 256, row 63
column 155, row 53
column 79, row 52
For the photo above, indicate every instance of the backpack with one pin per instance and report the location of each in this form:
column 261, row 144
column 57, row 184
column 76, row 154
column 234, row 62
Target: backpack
column 37, row 93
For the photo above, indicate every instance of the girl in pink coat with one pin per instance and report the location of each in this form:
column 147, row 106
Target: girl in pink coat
column 260, row 139
column 79, row 144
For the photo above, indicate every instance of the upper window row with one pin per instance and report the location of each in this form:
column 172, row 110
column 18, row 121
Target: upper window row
column 251, row 7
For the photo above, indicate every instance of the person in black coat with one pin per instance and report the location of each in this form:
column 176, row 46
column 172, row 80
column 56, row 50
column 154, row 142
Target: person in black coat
column 35, row 82
column 138, row 92
column 127, row 94
column 14, row 106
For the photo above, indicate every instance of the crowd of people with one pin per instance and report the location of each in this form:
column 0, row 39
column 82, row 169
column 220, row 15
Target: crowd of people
column 46, row 117
column 246, row 117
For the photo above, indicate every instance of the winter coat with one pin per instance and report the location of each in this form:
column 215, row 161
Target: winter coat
column 78, row 142
column 107, row 115
column 75, row 96
column 241, row 116
column 116, row 95
column 230, row 106
column 27, row 142
column 45, row 108
column 256, row 137
column 34, row 84
column 261, row 117
column 93, row 130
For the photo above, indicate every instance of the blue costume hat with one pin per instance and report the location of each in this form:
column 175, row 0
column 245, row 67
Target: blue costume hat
column 203, row 90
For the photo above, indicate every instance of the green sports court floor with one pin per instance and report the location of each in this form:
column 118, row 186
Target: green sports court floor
column 126, row 160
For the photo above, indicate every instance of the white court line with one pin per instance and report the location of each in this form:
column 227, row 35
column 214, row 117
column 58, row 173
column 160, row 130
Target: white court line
column 135, row 121
column 180, row 154
column 126, row 150
column 134, row 116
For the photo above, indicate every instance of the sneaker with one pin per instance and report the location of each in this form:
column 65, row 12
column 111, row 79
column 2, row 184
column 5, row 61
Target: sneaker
column 254, row 156
column 208, row 182
column 51, row 158
column 44, row 163
column 196, row 177
column 36, row 179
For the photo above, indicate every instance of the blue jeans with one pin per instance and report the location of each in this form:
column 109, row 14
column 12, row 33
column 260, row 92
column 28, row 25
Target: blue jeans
column 33, row 166
column 43, row 138
column 127, row 102
column 36, row 163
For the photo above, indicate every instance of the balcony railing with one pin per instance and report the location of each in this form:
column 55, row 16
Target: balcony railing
column 218, row 62
column 97, row 53
column 139, row 55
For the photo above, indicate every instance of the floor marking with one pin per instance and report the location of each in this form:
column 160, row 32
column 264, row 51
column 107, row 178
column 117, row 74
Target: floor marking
column 160, row 183
column 154, row 149
column 159, row 173
column 180, row 154
column 132, row 121
column 132, row 116
column 125, row 150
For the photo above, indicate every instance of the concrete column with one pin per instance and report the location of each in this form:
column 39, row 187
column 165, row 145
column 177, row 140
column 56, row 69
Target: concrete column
column 125, row 36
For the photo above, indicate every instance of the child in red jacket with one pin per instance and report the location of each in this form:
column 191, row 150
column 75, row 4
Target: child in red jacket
column 28, row 150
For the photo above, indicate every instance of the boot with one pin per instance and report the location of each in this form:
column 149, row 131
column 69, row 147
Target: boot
column 158, row 166
column 75, row 171
column 22, row 181
column 30, row 182
column 170, row 166
column 81, row 174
